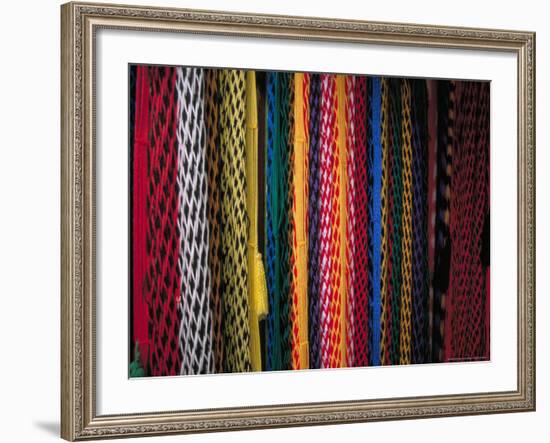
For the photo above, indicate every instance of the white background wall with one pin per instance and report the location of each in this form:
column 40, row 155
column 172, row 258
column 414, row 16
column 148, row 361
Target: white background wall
column 29, row 218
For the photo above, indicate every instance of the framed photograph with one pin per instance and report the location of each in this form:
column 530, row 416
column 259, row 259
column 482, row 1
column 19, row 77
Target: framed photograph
column 282, row 221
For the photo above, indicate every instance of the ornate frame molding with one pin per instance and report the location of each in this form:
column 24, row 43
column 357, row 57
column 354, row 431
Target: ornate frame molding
column 79, row 21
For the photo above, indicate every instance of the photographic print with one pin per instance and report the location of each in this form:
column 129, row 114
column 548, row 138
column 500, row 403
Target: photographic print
column 247, row 196
column 304, row 220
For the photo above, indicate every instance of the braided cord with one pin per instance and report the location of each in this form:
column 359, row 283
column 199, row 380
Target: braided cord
column 463, row 106
column 419, row 221
column 369, row 216
column 432, row 196
column 396, row 204
column 273, row 348
column 212, row 104
column 341, row 240
column 352, row 275
column 286, row 116
column 406, row 240
column 327, row 146
column 279, row 201
column 257, row 291
column 163, row 275
column 385, row 247
column 350, row 270
column 445, row 112
column 300, row 353
column 236, row 330
column 375, row 177
column 360, row 222
column 485, row 165
column 484, row 172
column 330, row 219
column 303, row 242
column 465, row 334
column 133, row 80
column 313, row 218
column 140, row 186
column 195, row 334
column 294, row 255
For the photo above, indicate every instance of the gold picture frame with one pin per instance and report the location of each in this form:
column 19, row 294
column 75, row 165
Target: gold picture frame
column 79, row 23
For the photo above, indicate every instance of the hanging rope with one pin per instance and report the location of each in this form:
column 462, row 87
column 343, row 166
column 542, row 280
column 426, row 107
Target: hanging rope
column 278, row 226
column 257, row 289
column 140, row 185
column 286, row 118
column 330, row 219
column 163, row 275
column 445, row 124
column 299, row 337
column 395, row 218
column 385, row 275
column 375, row 177
column 273, row 328
column 465, row 330
column 236, row 330
column 351, row 198
column 406, row 240
column 377, row 230
column 419, row 112
column 313, row 217
column 212, row 103
column 195, row 334
column 358, row 223
column 341, row 289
